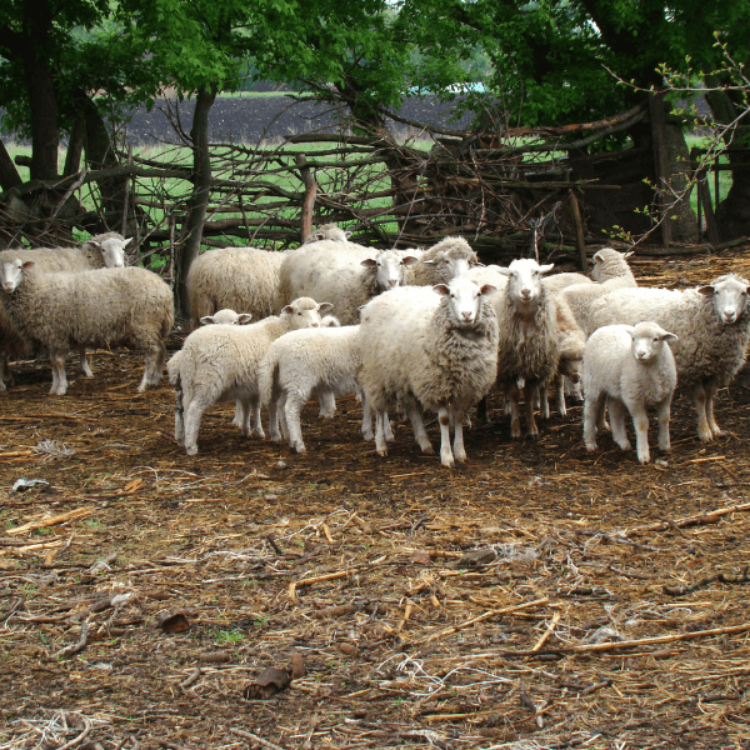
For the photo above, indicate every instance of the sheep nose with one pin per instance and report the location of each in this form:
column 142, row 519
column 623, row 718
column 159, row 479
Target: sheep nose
column 525, row 293
column 392, row 283
column 316, row 325
column 730, row 316
column 467, row 316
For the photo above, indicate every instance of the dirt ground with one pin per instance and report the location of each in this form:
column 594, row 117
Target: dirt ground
column 539, row 597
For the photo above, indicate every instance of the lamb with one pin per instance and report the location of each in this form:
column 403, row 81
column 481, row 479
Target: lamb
column 439, row 264
column 102, row 251
column 611, row 271
column 312, row 360
column 529, row 342
column 239, row 278
column 435, row 350
column 226, row 317
column 560, row 281
column 631, row 367
column 328, row 232
column 221, row 362
column 346, row 275
column 108, row 307
column 713, row 326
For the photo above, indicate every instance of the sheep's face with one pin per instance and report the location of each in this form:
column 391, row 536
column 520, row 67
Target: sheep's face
column 729, row 296
column 572, row 369
column 389, row 268
column 453, row 263
column 465, row 300
column 11, row 274
column 226, row 317
column 113, row 251
column 525, row 281
column 305, row 313
column 648, row 341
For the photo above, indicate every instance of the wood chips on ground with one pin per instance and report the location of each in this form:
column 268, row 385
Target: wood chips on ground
column 540, row 597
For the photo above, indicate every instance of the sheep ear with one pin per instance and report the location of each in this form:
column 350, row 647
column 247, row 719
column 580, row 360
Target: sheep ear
column 478, row 263
column 410, row 260
column 207, row 320
column 547, row 268
column 26, row 264
column 669, row 337
column 319, row 236
column 348, row 234
column 127, row 242
column 628, row 254
column 442, row 289
column 287, row 310
column 487, row 289
column 324, row 307
column 598, row 257
column 430, row 262
column 244, row 318
column 95, row 244
column 706, row 291
column 503, row 270
column 369, row 263
column 630, row 330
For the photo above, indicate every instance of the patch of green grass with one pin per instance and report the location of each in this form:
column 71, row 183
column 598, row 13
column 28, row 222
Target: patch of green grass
column 229, row 636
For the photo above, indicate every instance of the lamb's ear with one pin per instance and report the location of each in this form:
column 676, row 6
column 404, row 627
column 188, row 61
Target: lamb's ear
column 410, row 260
column 630, row 330
column 442, row 289
column 503, row 270
column 598, row 257
column 26, row 264
column 287, row 309
column 706, row 291
column 547, row 268
column 324, row 307
column 487, row 289
column 127, row 242
column 628, row 254
column 319, row 236
column 207, row 320
column 666, row 336
column 369, row 263
column 95, row 244
column 244, row 318
column 348, row 234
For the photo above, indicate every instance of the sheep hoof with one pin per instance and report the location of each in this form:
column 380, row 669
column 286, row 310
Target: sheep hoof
column 300, row 448
column 192, row 450
column 428, row 450
column 368, row 435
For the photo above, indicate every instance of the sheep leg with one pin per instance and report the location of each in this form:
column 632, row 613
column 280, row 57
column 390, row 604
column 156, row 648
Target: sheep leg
column 84, row 363
column 483, row 412
column 59, row 378
column 701, row 397
column 512, row 396
column 387, row 428
column 459, row 451
column 5, row 373
column 243, row 407
column 151, row 371
column 663, row 414
column 273, row 417
column 560, row 394
column 179, row 414
column 380, row 444
column 543, row 403
column 640, row 422
column 446, row 454
column 239, row 415
column 292, row 410
column 593, row 406
column 417, row 423
column 281, row 416
column 327, row 404
column 529, row 389
column 254, row 403
column 617, row 420
column 193, row 415
column 710, row 399
column 158, row 368
column 367, row 432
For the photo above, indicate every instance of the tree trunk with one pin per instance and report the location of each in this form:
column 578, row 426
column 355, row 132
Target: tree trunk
column 733, row 213
column 75, row 147
column 682, row 217
column 198, row 202
column 9, row 177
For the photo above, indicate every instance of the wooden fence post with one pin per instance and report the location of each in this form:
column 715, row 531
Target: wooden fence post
column 308, row 203
column 661, row 163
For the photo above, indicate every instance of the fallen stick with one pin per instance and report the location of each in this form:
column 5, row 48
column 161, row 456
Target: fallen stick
column 702, row 518
column 255, row 738
column 73, row 649
column 50, row 521
column 481, row 618
column 550, row 628
column 82, row 736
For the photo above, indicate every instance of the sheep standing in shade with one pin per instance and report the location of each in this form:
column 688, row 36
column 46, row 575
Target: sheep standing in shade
column 628, row 367
column 529, row 341
column 129, row 307
column 712, row 323
column 102, row 251
column 440, row 263
column 221, row 363
column 434, row 350
column 345, row 274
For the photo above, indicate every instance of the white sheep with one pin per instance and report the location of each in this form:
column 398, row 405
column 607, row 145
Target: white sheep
column 440, row 263
column 226, row 317
column 108, row 307
column 221, row 362
column 432, row 349
column 345, row 274
column 328, row 232
column 611, row 271
column 102, row 251
column 629, row 367
column 713, row 326
column 529, row 342
column 559, row 281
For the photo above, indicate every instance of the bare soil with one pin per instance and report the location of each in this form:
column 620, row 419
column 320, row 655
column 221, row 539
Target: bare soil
column 539, row 597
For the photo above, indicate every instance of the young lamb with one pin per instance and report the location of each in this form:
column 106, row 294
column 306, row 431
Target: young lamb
column 221, row 362
column 344, row 273
column 628, row 367
column 442, row 262
column 129, row 307
column 611, row 271
column 529, row 342
column 226, row 317
column 328, row 232
column 713, row 326
column 102, row 251
column 435, row 350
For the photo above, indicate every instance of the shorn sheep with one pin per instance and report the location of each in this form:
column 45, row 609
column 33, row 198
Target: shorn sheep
column 628, row 367
column 434, row 350
column 344, row 274
column 221, row 363
column 712, row 323
column 129, row 307
column 102, row 251
column 529, row 342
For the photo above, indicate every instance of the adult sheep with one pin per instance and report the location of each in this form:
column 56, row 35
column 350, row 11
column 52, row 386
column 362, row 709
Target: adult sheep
column 434, row 350
column 108, row 307
column 712, row 323
column 221, row 363
column 102, row 251
column 442, row 262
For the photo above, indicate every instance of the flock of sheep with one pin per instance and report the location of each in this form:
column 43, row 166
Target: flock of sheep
column 415, row 331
